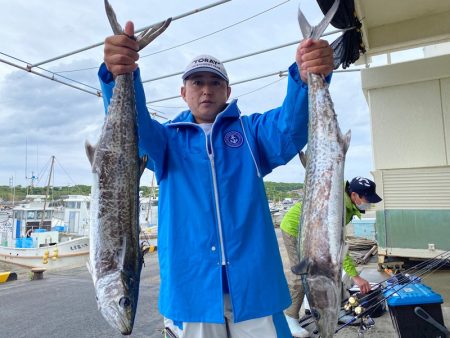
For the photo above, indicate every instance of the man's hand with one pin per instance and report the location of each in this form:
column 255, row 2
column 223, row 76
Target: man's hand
column 364, row 286
column 121, row 51
column 314, row 56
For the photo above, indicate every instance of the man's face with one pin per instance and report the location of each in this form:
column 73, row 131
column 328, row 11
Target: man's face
column 358, row 200
column 206, row 95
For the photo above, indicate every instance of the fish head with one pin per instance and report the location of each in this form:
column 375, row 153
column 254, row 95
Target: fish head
column 325, row 302
column 117, row 297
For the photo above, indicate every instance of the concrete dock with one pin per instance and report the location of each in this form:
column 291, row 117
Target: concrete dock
column 62, row 304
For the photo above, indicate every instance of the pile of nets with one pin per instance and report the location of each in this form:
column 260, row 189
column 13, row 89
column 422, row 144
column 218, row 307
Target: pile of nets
column 360, row 248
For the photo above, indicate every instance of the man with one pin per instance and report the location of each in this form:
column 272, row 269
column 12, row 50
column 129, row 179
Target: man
column 359, row 193
column 220, row 266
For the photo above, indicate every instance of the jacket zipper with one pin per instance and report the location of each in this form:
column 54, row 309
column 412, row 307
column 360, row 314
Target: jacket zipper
column 210, row 152
column 216, row 194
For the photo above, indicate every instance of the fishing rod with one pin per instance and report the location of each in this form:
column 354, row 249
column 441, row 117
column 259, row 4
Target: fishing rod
column 435, row 265
column 420, row 269
column 362, row 314
column 398, row 279
column 425, row 265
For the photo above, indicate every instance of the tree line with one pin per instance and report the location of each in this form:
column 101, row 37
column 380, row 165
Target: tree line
column 276, row 191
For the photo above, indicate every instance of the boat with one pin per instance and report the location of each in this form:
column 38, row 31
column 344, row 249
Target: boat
column 72, row 214
column 37, row 233
column 148, row 221
column 30, row 239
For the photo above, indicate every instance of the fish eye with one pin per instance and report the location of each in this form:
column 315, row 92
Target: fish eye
column 315, row 314
column 124, row 302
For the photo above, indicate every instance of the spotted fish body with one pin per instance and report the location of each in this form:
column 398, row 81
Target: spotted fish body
column 115, row 258
column 321, row 239
column 321, row 236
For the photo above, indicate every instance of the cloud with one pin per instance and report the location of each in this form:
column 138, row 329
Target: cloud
column 49, row 117
column 56, row 120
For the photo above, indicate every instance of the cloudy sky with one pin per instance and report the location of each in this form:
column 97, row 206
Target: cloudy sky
column 40, row 118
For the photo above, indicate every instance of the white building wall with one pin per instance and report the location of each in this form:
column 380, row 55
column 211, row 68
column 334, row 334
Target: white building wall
column 445, row 94
column 410, row 113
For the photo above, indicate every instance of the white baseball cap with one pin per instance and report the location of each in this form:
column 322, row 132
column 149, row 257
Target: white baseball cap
column 205, row 63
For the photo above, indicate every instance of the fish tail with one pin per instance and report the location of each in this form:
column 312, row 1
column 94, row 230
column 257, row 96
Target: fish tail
column 146, row 36
column 152, row 33
column 315, row 32
column 117, row 29
column 345, row 139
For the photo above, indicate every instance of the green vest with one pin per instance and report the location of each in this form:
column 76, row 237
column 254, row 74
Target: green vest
column 291, row 221
column 350, row 209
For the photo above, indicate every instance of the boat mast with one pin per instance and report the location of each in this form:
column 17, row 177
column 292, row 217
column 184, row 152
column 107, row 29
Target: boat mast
column 46, row 193
column 13, row 188
column 150, row 195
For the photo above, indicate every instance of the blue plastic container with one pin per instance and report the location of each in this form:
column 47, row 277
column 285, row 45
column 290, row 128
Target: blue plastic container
column 412, row 294
column 401, row 278
column 364, row 228
column 404, row 299
column 27, row 242
column 18, row 242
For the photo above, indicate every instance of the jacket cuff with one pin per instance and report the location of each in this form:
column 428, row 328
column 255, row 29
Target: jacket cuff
column 295, row 74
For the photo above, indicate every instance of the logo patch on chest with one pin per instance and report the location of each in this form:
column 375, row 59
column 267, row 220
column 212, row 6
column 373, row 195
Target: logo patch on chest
column 233, row 139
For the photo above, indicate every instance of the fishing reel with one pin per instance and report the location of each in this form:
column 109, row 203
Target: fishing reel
column 366, row 324
column 353, row 305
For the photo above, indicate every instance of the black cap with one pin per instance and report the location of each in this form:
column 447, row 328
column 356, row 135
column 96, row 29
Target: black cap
column 365, row 188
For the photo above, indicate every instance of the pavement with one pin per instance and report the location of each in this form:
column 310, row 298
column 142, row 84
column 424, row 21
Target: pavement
column 63, row 304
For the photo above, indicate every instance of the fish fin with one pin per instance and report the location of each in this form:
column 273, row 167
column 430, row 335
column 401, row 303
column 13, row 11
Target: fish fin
column 90, row 152
column 303, row 158
column 315, row 32
column 152, row 33
column 122, row 251
column 305, row 27
column 117, row 29
column 142, row 164
column 145, row 249
column 347, row 138
column 301, row 268
column 89, row 267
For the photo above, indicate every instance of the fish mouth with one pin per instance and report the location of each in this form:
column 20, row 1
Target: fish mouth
column 120, row 322
column 126, row 332
column 324, row 298
column 119, row 313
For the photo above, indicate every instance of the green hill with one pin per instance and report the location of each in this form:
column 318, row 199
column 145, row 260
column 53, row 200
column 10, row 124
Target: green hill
column 275, row 191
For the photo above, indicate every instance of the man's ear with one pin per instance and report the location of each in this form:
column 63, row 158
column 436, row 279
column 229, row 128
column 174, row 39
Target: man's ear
column 183, row 92
column 228, row 92
column 353, row 196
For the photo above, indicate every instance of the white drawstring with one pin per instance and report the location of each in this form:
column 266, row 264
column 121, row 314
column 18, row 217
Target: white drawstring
column 248, row 145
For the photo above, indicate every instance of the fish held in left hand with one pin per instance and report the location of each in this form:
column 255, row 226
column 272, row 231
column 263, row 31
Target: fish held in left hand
column 115, row 259
column 321, row 240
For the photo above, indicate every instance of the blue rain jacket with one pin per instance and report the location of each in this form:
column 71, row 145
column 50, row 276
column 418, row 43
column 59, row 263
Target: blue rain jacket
column 213, row 207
